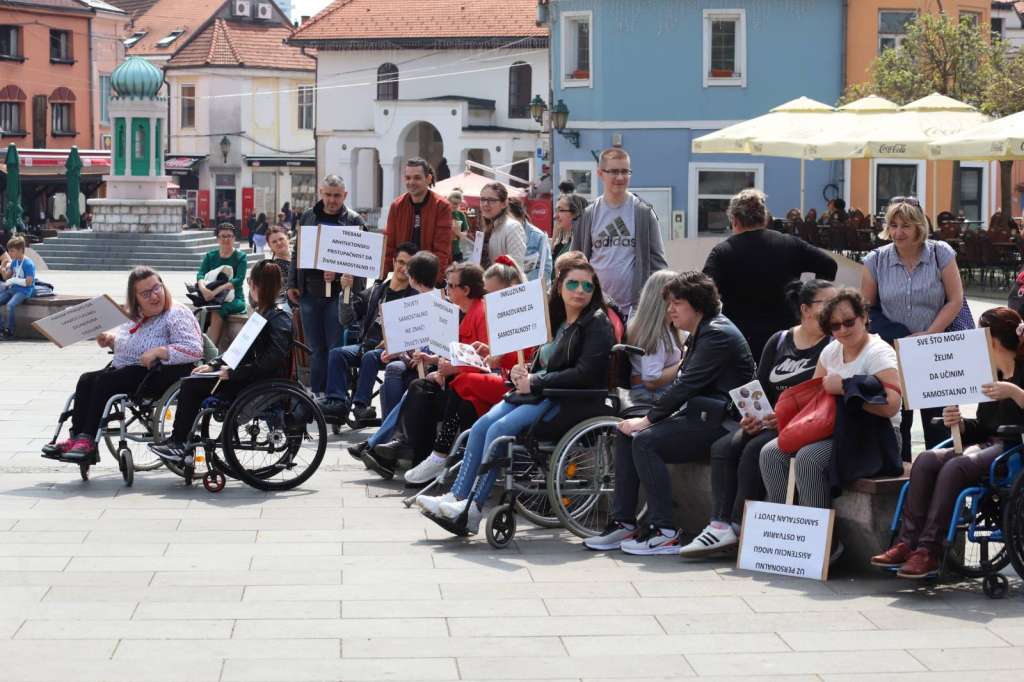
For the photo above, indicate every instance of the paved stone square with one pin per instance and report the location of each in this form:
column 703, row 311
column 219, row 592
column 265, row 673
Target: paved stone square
column 338, row 581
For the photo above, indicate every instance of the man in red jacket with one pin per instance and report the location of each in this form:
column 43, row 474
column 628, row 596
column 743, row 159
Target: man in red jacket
column 419, row 216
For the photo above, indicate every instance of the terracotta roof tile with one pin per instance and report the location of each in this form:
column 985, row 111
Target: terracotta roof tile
column 226, row 43
column 171, row 15
column 45, row 5
column 404, row 19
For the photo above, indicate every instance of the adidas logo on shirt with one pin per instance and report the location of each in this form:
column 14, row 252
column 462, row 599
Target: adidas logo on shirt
column 615, row 234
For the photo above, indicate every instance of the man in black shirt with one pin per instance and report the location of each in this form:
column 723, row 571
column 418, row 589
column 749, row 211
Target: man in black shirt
column 753, row 266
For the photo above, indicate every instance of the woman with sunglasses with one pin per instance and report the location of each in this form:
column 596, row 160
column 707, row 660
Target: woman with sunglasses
column 853, row 352
column 915, row 287
column 269, row 357
column 159, row 345
column 502, row 234
column 578, row 357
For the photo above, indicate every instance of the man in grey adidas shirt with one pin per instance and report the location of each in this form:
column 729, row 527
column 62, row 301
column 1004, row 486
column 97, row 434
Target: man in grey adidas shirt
column 619, row 233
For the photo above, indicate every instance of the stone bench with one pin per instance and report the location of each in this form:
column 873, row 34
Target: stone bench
column 35, row 309
column 863, row 512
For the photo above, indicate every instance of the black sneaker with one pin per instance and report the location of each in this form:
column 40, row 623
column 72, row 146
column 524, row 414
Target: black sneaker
column 332, row 407
column 385, row 470
column 358, row 450
column 394, row 450
column 364, row 412
column 168, row 450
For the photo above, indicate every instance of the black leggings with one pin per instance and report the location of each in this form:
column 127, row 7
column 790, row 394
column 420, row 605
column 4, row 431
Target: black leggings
column 94, row 389
column 427, row 405
column 736, row 473
column 194, row 390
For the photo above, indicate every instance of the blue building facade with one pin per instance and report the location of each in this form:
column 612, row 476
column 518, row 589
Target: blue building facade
column 652, row 75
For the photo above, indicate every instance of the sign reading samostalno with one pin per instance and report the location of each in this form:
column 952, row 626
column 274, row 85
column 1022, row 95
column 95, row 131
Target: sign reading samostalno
column 786, row 539
column 342, row 249
column 422, row 321
column 945, row 369
column 83, row 321
column 517, row 318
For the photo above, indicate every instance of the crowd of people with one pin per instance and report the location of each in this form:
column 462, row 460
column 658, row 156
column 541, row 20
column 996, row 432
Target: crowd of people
column 752, row 313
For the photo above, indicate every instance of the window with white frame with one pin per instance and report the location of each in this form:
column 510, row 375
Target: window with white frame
column 892, row 28
column 187, row 94
column 897, row 179
column 10, row 118
column 306, row 95
column 60, row 46
column 10, row 42
column 712, row 185
column 577, row 48
column 583, row 174
column 973, row 17
column 62, row 122
column 725, row 47
column 104, row 98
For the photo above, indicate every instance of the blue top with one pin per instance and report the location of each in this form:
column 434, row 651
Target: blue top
column 26, row 269
column 911, row 297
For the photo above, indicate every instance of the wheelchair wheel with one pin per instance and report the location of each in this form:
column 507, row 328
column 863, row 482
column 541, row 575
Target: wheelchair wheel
column 995, row 586
column 530, row 482
column 979, row 551
column 501, row 526
column 207, row 434
column 140, row 431
column 127, row 466
column 581, row 483
column 1013, row 525
column 264, row 434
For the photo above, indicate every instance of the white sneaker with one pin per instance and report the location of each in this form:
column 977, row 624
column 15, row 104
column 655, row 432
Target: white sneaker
column 710, row 541
column 432, row 505
column 452, row 510
column 425, row 471
column 651, row 541
column 612, row 537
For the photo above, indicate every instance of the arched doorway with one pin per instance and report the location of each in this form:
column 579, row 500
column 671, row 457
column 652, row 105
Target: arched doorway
column 424, row 140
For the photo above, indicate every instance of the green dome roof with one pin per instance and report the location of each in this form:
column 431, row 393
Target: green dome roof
column 136, row 77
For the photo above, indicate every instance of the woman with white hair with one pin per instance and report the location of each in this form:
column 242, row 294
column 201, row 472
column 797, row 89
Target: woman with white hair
column 651, row 329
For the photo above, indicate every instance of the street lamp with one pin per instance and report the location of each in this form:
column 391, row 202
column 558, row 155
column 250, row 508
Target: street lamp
column 537, row 108
column 559, row 117
column 225, row 147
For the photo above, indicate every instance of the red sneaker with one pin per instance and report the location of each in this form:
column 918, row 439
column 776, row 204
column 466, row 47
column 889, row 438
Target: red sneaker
column 81, row 449
column 920, row 564
column 893, row 557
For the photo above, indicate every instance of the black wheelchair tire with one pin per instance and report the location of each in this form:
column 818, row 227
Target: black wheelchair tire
column 1013, row 525
column 501, row 526
column 954, row 560
column 235, row 467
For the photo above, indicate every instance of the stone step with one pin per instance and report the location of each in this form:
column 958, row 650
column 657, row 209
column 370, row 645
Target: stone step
column 184, row 237
column 120, row 250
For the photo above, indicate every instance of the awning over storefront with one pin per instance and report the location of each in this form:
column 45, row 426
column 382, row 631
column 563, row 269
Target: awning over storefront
column 281, row 161
column 49, row 163
column 181, row 164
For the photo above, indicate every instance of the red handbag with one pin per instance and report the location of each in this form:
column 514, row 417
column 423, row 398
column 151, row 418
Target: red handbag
column 806, row 414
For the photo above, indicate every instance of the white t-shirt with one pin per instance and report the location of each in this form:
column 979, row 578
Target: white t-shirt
column 649, row 367
column 876, row 356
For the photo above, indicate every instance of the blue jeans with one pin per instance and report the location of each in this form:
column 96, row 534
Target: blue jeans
column 10, row 299
column 397, row 377
column 504, row 419
column 338, row 362
column 322, row 328
column 387, row 427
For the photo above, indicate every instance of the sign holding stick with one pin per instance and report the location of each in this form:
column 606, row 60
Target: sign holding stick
column 945, row 369
column 83, row 321
column 517, row 318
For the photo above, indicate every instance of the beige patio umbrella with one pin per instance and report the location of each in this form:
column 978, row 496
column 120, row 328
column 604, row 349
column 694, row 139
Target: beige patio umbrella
column 998, row 140
column 780, row 132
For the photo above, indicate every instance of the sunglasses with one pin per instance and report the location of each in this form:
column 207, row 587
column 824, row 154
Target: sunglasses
column 848, row 323
column 913, row 201
column 150, row 294
column 574, row 284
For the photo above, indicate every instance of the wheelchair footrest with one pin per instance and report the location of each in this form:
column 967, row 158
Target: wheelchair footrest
column 449, row 525
column 59, row 457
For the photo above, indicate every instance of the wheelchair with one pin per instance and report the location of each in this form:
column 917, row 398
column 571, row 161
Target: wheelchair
column 262, row 433
column 552, row 479
column 977, row 544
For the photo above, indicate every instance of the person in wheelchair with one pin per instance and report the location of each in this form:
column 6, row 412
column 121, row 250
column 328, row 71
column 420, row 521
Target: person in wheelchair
column 939, row 475
column 578, row 357
column 269, row 357
column 789, row 358
column 682, row 424
column 367, row 352
column 158, row 346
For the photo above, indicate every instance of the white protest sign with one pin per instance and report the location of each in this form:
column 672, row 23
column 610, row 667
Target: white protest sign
column 945, row 369
column 444, row 326
column 478, row 249
column 406, row 323
column 243, row 340
column 83, row 321
column 342, row 249
column 517, row 318
column 786, row 539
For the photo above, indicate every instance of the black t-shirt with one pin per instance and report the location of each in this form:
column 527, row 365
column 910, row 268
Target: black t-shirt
column 752, row 269
column 417, row 220
column 783, row 365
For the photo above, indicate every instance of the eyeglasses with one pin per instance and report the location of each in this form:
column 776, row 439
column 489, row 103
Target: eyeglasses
column 565, row 210
column 848, row 323
column 150, row 294
column 913, row 201
column 489, row 200
column 449, row 285
column 225, row 235
column 617, row 172
column 818, row 301
column 574, row 284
